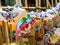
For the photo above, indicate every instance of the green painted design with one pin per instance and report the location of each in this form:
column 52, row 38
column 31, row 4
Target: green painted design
column 22, row 34
column 28, row 15
column 37, row 28
column 24, row 19
column 14, row 32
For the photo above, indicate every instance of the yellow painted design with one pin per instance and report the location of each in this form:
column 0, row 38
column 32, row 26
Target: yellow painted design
column 1, row 22
column 13, row 27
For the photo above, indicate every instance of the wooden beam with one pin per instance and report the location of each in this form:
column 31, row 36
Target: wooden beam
column 17, row 2
column 39, row 3
column 20, row 3
column 56, row 2
column 26, row 4
column 36, row 3
column 32, row 7
column 48, row 4
column 25, row 7
column 52, row 3
column 42, row 7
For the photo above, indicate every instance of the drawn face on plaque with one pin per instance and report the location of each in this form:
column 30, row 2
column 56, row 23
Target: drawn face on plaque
column 50, row 23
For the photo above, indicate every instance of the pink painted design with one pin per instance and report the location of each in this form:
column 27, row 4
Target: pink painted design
column 19, row 31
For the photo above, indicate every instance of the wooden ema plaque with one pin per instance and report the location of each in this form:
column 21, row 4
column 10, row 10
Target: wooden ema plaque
column 6, row 31
column 48, row 24
column 1, row 32
column 19, row 17
column 55, row 19
column 12, row 27
column 39, row 23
